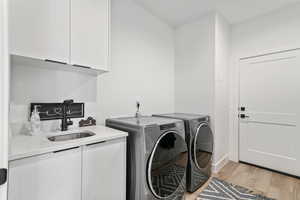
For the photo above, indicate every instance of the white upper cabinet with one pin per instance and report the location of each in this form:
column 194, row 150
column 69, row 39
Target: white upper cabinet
column 40, row 29
column 75, row 32
column 90, row 30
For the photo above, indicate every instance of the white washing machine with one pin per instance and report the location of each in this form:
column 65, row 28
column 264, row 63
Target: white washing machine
column 157, row 157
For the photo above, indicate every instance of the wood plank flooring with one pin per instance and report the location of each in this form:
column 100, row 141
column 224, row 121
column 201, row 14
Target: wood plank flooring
column 265, row 182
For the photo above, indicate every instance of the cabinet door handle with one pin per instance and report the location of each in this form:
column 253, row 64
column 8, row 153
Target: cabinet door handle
column 59, row 151
column 82, row 66
column 54, row 61
column 96, row 143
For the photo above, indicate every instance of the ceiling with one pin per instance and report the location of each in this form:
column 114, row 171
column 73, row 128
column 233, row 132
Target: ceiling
column 177, row 12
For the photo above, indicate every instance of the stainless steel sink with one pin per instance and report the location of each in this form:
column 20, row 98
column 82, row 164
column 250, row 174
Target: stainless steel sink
column 71, row 136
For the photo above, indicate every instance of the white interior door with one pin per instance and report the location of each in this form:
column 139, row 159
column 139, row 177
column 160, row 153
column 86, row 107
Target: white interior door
column 270, row 93
column 4, row 77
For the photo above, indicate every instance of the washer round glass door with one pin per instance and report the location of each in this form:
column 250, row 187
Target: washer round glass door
column 202, row 148
column 167, row 165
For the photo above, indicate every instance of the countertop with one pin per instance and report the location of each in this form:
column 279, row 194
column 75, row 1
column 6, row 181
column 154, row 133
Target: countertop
column 28, row 146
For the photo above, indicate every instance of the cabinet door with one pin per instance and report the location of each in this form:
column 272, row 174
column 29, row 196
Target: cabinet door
column 90, row 32
column 104, row 171
column 51, row 176
column 40, row 29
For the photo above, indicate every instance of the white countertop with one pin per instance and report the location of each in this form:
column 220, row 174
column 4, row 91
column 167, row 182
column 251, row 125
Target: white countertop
column 26, row 146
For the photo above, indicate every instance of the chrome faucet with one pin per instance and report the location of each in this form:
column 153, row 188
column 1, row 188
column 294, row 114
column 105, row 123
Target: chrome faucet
column 65, row 122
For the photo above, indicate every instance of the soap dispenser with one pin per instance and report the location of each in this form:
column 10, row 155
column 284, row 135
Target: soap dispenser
column 35, row 121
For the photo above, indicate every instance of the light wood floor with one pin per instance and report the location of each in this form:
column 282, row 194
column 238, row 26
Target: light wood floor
column 265, row 182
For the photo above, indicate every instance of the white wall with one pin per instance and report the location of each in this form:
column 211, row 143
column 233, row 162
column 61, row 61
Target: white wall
column 276, row 31
column 201, row 76
column 142, row 64
column 221, row 108
column 194, row 66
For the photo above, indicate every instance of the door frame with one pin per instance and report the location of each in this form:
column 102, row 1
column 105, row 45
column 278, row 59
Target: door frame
column 4, row 91
column 234, row 129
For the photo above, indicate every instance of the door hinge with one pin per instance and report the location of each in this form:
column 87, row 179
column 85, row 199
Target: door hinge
column 3, row 176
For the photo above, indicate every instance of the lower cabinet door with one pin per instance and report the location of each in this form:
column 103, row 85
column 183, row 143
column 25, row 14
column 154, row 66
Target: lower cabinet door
column 104, row 171
column 53, row 176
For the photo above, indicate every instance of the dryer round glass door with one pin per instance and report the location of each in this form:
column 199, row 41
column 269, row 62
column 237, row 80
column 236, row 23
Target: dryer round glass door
column 202, row 148
column 167, row 165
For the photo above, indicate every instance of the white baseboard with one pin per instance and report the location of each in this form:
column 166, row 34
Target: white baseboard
column 216, row 167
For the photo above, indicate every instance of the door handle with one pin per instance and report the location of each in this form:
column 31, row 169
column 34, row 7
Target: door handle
column 3, row 176
column 243, row 116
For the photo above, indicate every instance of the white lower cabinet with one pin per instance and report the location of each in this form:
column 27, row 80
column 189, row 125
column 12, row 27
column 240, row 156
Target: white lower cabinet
column 92, row 172
column 104, row 171
column 51, row 176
